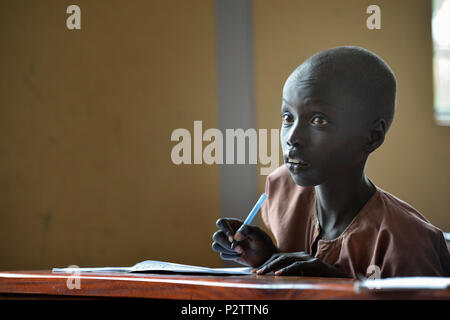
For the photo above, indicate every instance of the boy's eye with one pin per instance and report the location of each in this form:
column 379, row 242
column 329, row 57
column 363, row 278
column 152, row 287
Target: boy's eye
column 286, row 118
column 319, row 121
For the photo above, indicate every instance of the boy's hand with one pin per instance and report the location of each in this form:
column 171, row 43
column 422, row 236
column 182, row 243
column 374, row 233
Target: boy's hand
column 253, row 248
column 299, row 264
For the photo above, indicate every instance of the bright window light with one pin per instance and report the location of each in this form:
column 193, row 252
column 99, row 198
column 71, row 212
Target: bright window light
column 441, row 60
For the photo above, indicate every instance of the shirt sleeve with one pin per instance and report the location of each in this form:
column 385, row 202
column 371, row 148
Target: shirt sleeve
column 428, row 257
column 445, row 257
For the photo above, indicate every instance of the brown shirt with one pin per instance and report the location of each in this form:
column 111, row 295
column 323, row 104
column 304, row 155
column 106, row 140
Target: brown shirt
column 387, row 232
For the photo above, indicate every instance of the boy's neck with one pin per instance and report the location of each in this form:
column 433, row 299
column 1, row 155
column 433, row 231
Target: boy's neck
column 340, row 200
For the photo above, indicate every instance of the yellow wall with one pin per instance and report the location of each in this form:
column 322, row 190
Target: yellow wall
column 413, row 163
column 86, row 117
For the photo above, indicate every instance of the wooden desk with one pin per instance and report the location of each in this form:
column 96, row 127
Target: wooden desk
column 41, row 284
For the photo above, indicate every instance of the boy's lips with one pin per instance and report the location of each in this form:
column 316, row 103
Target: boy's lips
column 294, row 163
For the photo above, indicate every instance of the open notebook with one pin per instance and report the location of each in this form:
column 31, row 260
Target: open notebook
column 152, row 266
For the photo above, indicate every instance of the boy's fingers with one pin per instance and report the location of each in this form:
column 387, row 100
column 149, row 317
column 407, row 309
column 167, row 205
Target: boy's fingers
column 298, row 268
column 238, row 248
column 278, row 263
column 223, row 225
column 221, row 238
column 273, row 257
column 246, row 232
column 234, row 223
column 228, row 225
column 218, row 248
column 262, row 268
column 239, row 236
column 292, row 269
column 226, row 256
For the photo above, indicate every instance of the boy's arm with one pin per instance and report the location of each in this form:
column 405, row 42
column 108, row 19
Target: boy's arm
column 255, row 248
column 430, row 257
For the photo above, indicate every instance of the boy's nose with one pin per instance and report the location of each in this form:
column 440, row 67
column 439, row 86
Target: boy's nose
column 296, row 136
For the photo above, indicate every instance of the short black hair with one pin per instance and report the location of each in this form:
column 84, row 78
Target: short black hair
column 369, row 77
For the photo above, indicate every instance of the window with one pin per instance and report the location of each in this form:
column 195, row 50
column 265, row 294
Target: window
column 441, row 60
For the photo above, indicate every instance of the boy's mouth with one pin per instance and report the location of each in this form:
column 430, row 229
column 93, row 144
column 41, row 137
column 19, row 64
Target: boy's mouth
column 295, row 163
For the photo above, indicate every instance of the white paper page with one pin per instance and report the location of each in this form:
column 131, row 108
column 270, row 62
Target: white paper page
column 404, row 283
column 101, row 269
column 155, row 266
column 152, row 265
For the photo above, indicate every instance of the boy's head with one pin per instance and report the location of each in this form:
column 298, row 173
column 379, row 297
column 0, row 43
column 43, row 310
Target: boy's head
column 337, row 107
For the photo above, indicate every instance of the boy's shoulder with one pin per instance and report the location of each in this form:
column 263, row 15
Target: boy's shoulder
column 403, row 220
column 401, row 211
column 415, row 246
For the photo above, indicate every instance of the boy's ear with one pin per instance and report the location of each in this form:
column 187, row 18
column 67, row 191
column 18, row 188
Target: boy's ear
column 377, row 133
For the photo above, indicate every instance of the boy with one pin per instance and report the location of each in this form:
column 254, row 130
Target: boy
column 327, row 217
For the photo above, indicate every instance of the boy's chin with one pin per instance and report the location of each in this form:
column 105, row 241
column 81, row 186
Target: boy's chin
column 302, row 181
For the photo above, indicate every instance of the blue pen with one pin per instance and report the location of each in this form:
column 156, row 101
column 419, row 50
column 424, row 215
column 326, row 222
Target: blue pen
column 251, row 215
